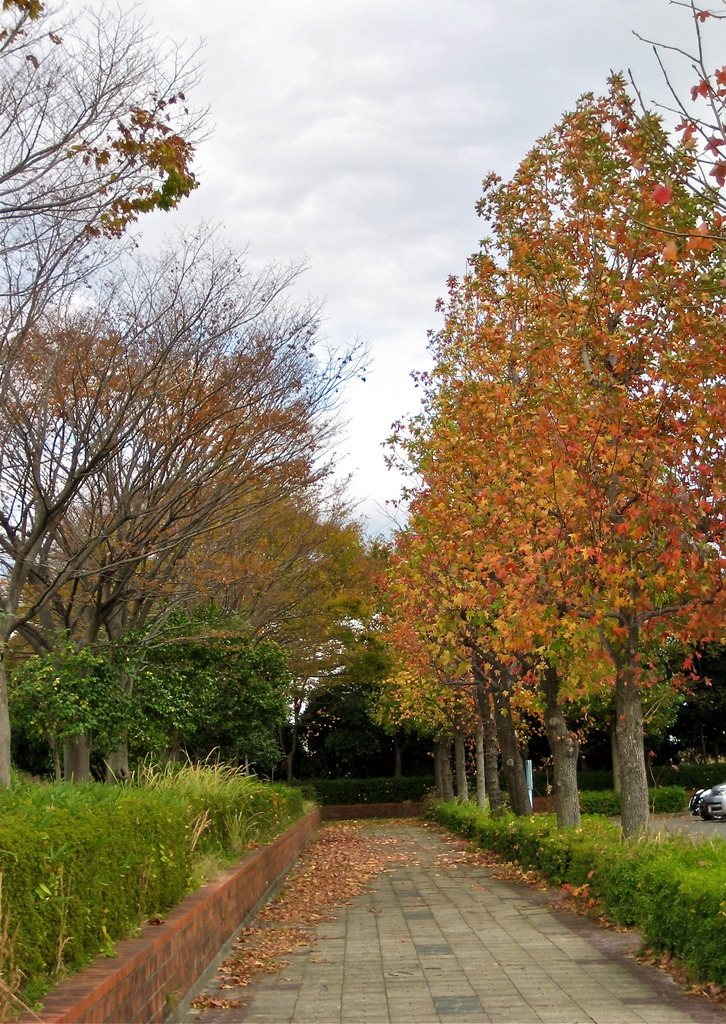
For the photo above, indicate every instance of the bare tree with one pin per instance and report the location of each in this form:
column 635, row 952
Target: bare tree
column 94, row 130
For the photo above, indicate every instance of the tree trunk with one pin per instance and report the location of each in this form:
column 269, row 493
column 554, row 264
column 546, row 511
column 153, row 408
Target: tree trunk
column 565, row 748
column 292, row 753
column 512, row 764
column 635, row 811
column 172, row 754
column 438, row 771
column 4, row 720
column 483, row 702
column 400, row 742
column 442, row 752
column 462, row 788
column 491, row 765
column 77, row 758
column 117, row 763
column 615, row 748
column 481, row 782
column 57, row 770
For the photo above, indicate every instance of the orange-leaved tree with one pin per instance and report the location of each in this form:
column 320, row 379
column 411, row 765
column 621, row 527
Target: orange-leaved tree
column 577, row 405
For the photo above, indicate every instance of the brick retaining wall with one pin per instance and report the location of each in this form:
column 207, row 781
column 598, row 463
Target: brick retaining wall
column 152, row 975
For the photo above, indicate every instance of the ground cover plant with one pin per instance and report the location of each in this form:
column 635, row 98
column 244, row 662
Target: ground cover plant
column 669, row 888
column 82, row 866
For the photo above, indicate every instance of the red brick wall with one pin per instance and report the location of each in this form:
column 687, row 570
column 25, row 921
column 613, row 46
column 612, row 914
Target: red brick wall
column 153, row 973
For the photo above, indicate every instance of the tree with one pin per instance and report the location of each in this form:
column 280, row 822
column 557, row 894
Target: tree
column 208, row 686
column 95, row 131
column 578, row 403
column 701, row 128
column 300, row 573
column 180, row 402
column 61, row 697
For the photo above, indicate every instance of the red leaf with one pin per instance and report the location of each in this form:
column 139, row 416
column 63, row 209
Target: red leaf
column 719, row 173
column 702, row 15
column 699, row 90
column 662, row 194
column 714, row 143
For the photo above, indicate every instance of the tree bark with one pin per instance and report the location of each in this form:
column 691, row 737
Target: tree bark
column 486, row 717
column 442, row 753
column 291, row 754
column 462, row 788
column 400, row 742
column 565, row 748
column 77, row 758
column 481, row 782
column 57, row 769
column 117, row 763
column 4, row 720
column 438, row 772
column 512, row 764
column 615, row 749
column 635, row 811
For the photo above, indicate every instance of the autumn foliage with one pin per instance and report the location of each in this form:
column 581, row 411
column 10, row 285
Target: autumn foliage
column 572, row 495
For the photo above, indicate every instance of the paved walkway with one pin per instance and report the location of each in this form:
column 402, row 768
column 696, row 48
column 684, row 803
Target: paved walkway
column 433, row 940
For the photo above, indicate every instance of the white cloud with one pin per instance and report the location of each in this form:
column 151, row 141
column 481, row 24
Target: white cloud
column 357, row 134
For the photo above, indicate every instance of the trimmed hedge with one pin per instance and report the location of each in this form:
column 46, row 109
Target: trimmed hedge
column 587, row 779
column 689, row 776
column 82, row 866
column 672, row 890
column 368, row 791
column 663, row 800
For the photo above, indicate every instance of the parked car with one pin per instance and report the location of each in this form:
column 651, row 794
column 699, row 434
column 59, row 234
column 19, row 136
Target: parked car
column 694, row 804
column 712, row 802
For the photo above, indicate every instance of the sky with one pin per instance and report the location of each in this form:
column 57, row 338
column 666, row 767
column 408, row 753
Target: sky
column 355, row 134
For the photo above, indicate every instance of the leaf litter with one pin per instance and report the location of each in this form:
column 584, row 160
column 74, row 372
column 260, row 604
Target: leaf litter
column 335, row 867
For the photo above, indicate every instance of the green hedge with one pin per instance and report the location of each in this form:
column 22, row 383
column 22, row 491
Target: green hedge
column 368, row 791
column 663, row 800
column 689, row 776
column 83, row 866
column 586, row 780
column 693, row 776
column 671, row 890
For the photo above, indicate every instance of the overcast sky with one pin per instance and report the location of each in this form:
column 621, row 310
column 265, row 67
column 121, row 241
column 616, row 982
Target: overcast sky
column 356, row 133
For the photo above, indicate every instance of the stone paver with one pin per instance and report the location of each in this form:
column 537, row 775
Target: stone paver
column 433, row 940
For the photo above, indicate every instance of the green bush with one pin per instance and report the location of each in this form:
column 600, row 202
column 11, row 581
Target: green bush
column 82, row 865
column 693, row 776
column 689, row 776
column 600, row 801
column 671, row 889
column 371, row 791
column 587, row 779
column 663, row 800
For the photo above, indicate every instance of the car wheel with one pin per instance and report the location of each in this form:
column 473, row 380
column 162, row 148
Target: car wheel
column 705, row 816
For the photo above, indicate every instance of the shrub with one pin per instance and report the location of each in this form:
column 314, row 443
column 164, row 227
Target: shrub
column 663, row 800
column 588, row 778
column 82, row 865
column 371, row 791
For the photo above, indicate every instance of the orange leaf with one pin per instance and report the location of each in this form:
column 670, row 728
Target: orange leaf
column 670, row 251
